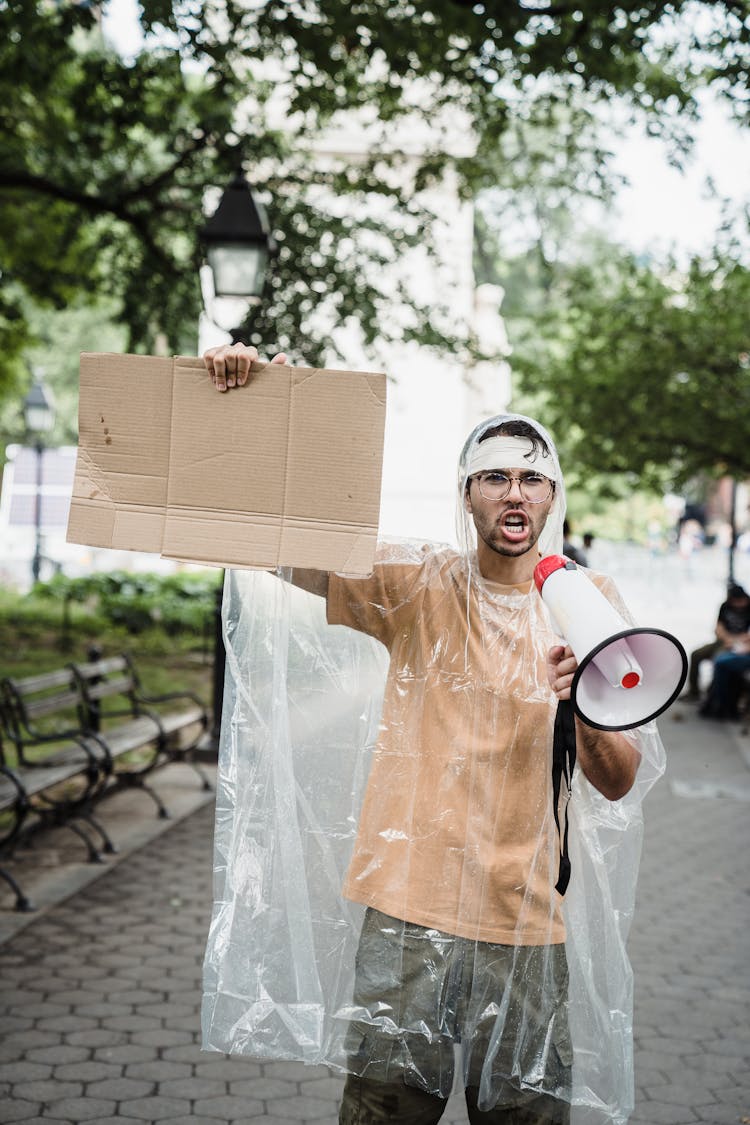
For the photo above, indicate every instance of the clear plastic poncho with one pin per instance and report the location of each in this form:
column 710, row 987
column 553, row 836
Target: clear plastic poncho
column 385, row 785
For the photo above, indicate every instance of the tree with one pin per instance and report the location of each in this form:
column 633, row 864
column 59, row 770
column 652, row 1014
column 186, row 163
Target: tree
column 105, row 164
column 645, row 373
column 61, row 335
column 104, row 160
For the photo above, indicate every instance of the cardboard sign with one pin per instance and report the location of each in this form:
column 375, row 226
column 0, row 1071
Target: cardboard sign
column 284, row 471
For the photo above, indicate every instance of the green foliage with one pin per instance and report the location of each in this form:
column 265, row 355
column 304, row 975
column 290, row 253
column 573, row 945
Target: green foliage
column 85, row 140
column 175, row 603
column 104, row 160
column 645, row 373
column 487, row 57
column 104, row 166
column 27, row 613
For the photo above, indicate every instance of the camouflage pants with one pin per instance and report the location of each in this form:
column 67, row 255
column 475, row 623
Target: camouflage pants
column 368, row 1102
column 418, row 992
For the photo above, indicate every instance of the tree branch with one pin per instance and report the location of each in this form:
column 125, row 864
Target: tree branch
column 95, row 205
column 149, row 187
column 43, row 186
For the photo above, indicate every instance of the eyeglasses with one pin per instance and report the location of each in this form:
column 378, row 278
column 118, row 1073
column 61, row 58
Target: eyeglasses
column 535, row 488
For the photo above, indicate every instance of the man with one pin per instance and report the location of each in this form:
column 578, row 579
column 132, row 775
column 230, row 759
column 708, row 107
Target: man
column 457, row 855
column 732, row 629
column 730, row 654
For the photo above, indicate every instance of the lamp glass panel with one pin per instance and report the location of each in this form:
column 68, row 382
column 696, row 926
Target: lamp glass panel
column 39, row 418
column 239, row 271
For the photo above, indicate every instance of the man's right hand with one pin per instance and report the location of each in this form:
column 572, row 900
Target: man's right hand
column 229, row 365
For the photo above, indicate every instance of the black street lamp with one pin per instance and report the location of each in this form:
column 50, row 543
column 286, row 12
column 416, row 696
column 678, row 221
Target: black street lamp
column 238, row 245
column 39, row 418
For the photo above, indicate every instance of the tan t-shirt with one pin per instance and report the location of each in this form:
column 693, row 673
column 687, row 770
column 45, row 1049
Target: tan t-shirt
column 457, row 829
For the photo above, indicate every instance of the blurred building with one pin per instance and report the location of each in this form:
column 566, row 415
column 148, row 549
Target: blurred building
column 46, row 480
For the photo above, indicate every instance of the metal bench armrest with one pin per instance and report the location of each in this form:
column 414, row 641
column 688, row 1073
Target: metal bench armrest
column 171, row 696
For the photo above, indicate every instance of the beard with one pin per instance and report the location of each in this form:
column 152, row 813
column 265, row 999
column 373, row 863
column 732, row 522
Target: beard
column 490, row 532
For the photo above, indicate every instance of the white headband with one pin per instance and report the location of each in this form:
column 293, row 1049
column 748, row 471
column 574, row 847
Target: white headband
column 510, row 453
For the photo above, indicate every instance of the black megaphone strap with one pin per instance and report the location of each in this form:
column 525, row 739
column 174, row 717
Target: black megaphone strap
column 563, row 763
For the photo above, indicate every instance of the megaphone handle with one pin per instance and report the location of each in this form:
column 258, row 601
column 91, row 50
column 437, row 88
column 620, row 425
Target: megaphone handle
column 563, row 764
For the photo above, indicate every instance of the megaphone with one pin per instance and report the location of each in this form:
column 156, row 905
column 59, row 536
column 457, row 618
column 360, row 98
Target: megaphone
column 626, row 676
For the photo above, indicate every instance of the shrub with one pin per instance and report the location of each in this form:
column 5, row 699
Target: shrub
column 177, row 603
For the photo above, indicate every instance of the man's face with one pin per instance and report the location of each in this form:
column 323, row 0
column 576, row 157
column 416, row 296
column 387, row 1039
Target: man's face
column 510, row 526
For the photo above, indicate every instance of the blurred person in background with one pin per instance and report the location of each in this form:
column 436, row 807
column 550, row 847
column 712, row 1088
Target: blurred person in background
column 730, row 653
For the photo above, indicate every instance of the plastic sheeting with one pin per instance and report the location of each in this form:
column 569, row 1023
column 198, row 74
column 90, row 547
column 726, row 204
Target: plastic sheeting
column 385, row 783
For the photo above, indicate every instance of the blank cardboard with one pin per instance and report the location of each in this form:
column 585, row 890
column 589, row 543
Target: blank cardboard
column 284, row 471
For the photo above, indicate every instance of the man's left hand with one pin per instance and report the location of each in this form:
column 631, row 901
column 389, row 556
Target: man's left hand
column 561, row 667
column 608, row 759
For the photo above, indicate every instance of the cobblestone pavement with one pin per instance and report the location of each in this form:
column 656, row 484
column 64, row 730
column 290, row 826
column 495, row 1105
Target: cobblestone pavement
column 689, row 945
column 100, row 994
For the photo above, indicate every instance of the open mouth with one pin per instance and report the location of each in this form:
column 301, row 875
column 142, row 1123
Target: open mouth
column 514, row 526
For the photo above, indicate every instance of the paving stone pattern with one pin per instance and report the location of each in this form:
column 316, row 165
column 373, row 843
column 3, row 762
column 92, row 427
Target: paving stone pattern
column 100, row 995
column 690, row 944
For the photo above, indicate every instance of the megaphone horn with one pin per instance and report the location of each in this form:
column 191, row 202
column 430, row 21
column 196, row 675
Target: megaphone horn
column 626, row 676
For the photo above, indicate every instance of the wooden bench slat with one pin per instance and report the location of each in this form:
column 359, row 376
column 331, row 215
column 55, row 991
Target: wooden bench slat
column 142, row 730
column 109, row 687
column 29, row 684
column 178, row 719
column 130, row 736
column 36, row 779
column 101, row 667
column 50, row 704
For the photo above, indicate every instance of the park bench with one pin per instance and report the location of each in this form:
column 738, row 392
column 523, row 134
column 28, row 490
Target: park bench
column 58, row 771
column 122, row 717
column 79, row 732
